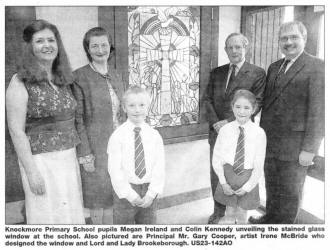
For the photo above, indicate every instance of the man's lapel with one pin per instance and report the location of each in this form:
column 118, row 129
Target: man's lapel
column 286, row 79
column 241, row 75
column 223, row 77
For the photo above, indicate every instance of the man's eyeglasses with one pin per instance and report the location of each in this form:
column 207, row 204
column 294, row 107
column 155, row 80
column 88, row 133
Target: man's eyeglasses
column 284, row 39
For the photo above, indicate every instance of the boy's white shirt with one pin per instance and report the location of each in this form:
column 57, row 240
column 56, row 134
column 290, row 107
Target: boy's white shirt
column 121, row 164
column 254, row 146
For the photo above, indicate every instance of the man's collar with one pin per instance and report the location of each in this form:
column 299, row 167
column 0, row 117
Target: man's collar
column 239, row 65
column 294, row 59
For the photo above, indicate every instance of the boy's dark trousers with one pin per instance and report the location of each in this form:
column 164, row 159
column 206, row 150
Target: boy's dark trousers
column 124, row 213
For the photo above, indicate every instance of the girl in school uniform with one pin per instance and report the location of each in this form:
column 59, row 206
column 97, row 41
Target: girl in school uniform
column 238, row 160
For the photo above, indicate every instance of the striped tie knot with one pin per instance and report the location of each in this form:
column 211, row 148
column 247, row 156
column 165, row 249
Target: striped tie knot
column 241, row 129
column 137, row 130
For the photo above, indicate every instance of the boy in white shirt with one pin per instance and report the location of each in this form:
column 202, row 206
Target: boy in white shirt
column 136, row 162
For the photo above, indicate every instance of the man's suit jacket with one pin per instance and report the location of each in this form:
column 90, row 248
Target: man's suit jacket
column 217, row 100
column 293, row 110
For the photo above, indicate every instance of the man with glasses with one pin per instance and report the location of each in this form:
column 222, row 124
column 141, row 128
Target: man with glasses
column 293, row 119
column 223, row 83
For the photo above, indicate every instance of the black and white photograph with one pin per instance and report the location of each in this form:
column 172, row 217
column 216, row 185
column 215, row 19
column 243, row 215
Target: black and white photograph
column 176, row 124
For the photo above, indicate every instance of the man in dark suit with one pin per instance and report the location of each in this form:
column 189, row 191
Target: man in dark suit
column 224, row 81
column 293, row 119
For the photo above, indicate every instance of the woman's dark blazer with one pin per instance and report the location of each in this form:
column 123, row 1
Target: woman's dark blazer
column 94, row 123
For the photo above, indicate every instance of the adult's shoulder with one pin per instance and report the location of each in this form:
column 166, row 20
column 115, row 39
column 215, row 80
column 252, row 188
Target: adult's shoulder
column 276, row 64
column 16, row 91
column 254, row 67
column 313, row 60
column 16, row 84
column 82, row 70
column 81, row 75
column 221, row 69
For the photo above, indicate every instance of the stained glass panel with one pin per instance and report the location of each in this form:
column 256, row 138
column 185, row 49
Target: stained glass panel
column 163, row 44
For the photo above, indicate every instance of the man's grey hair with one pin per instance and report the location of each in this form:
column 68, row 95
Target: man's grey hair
column 244, row 39
column 289, row 25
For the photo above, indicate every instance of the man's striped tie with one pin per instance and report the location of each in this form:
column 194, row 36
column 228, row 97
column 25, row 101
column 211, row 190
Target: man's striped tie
column 239, row 155
column 140, row 168
column 231, row 77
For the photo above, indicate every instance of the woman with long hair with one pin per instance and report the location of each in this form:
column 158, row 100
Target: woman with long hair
column 98, row 89
column 40, row 113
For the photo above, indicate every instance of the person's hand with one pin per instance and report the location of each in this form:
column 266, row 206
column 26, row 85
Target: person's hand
column 87, row 162
column 227, row 190
column 306, row 158
column 137, row 201
column 147, row 201
column 218, row 125
column 89, row 167
column 36, row 183
column 240, row 192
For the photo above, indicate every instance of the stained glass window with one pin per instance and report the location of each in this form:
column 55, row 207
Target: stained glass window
column 163, row 44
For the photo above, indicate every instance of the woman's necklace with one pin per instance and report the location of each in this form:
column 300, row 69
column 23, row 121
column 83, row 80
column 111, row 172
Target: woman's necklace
column 53, row 86
column 105, row 75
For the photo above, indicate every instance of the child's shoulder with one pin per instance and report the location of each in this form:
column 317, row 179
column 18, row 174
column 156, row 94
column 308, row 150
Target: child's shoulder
column 152, row 130
column 119, row 131
column 228, row 126
column 258, row 129
column 226, row 129
column 152, row 135
column 262, row 131
column 120, row 128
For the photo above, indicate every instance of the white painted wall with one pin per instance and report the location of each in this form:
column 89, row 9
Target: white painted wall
column 229, row 22
column 72, row 23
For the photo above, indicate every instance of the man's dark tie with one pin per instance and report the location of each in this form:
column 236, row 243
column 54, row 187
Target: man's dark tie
column 282, row 70
column 140, row 168
column 279, row 75
column 239, row 155
column 232, row 76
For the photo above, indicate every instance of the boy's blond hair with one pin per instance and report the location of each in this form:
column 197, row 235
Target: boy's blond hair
column 135, row 89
